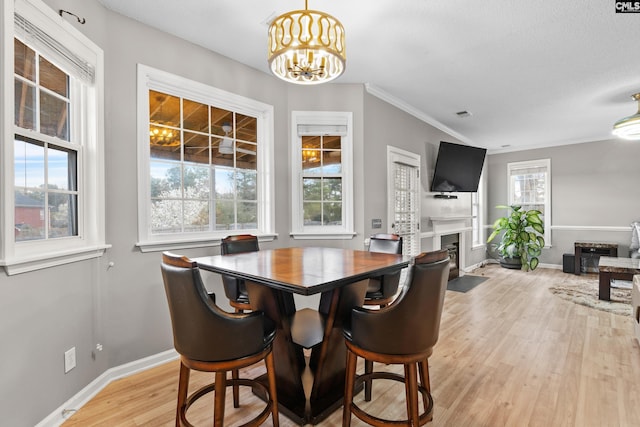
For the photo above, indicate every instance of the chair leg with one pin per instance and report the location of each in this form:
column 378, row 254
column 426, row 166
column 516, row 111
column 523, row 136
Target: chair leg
column 183, row 388
column 348, row 388
column 273, row 394
column 411, row 387
column 368, row 368
column 219, row 398
column 424, row 375
column 236, row 388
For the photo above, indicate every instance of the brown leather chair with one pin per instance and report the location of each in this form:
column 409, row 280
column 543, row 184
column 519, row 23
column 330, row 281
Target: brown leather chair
column 234, row 288
column 211, row 340
column 404, row 332
column 382, row 289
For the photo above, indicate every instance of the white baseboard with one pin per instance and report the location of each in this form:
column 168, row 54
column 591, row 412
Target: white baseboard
column 68, row 408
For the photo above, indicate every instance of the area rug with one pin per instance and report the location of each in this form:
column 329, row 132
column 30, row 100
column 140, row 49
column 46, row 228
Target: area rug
column 584, row 291
column 464, row 283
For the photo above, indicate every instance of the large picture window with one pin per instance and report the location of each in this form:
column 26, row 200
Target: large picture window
column 53, row 166
column 205, row 162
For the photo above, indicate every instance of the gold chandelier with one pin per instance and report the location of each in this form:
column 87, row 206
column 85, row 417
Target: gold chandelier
column 629, row 127
column 306, row 47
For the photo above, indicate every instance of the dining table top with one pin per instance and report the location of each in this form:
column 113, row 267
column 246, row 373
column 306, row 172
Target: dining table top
column 304, row 270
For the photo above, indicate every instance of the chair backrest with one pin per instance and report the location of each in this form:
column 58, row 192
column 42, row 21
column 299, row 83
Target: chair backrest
column 410, row 324
column 386, row 243
column 238, row 244
column 201, row 330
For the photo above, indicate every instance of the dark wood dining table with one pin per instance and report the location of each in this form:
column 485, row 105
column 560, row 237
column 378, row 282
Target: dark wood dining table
column 341, row 277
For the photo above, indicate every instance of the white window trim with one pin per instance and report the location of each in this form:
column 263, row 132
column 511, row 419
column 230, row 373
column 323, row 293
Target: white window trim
column 151, row 78
column 540, row 163
column 482, row 202
column 20, row 257
column 325, row 119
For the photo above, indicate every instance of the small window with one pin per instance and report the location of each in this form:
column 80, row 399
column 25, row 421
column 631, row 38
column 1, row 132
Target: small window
column 54, row 166
column 530, row 187
column 322, row 194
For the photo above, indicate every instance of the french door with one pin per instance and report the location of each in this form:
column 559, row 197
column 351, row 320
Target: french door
column 403, row 191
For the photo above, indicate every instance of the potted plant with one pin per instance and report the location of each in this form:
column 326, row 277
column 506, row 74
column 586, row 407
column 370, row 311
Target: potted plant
column 522, row 239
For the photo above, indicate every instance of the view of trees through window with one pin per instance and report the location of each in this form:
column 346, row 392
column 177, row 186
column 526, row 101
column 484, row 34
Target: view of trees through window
column 322, row 180
column 203, row 167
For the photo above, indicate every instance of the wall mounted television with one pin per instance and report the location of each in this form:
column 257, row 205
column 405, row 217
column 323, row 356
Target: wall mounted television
column 458, row 169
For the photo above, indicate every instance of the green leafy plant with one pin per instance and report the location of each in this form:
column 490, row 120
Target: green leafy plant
column 522, row 236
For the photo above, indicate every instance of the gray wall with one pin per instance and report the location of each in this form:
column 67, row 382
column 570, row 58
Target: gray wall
column 123, row 307
column 594, row 192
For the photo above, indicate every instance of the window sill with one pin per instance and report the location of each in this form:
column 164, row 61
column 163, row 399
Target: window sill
column 24, row 265
column 322, row 236
column 173, row 244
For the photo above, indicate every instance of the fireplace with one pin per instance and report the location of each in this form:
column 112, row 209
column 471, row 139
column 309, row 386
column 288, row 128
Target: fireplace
column 451, row 244
column 449, row 232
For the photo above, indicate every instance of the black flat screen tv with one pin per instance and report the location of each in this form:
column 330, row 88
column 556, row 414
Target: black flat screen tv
column 458, row 169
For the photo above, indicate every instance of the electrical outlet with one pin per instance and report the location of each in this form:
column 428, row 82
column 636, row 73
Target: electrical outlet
column 69, row 359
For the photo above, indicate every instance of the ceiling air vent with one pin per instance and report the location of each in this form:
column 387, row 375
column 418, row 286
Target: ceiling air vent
column 463, row 114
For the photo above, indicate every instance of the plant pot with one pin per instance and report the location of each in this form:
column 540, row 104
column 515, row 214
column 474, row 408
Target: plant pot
column 513, row 263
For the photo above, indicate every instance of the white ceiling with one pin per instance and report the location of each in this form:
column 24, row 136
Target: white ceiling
column 533, row 73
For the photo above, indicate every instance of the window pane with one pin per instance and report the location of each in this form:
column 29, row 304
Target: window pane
column 221, row 122
column 225, row 214
column 25, row 101
column 166, row 216
column 54, row 116
column 196, row 215
column 196, row 182
column 63, row 209
column 196, row 116
column 164, row 109
column 310, row 159
column 28, row 164
column 331, row 162
column 332, row 189
column 332, row 213
column 312, row 189
column 246, row 128
column 247, row 215
column 61, row 167
column 246, row 183
column 166, row 180
column 196, row 148
column 29, row 215
column 24, row 61
column 311, row 142
column 53, row 78
column 164, row 142
column 246, row 155
column 312, row 213
column 224, row 183
column 222, row 151
column 331, row 142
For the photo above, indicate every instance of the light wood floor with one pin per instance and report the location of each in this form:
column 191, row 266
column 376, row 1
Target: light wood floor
column 510, row 354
